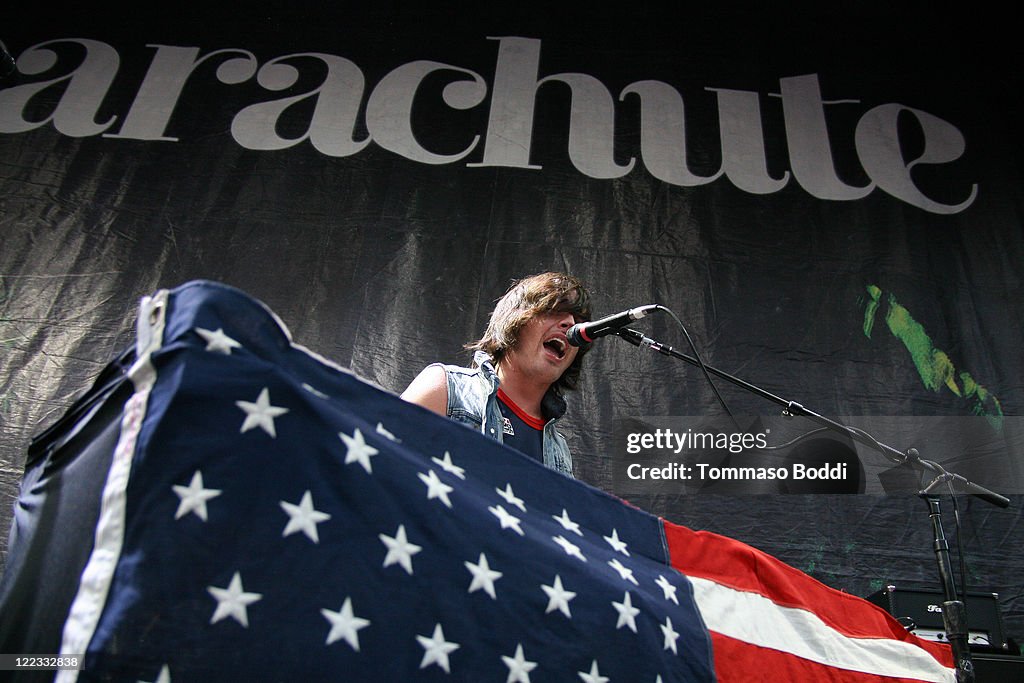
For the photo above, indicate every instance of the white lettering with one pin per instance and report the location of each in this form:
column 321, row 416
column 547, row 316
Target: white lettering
column 508, row 137
column 810, row 153
column 663, row 133
column 331, row 127
column 165, row 80
column 75, row 112
column 743, row 155
column 878, row 146
column 389, row 111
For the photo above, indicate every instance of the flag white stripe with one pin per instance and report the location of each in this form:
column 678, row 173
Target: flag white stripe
column 755, row 619
column 94, row 585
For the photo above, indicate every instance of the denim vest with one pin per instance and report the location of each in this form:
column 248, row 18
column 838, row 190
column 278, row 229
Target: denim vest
column 473, row 401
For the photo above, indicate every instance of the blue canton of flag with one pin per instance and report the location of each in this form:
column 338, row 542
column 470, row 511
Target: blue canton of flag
column 271, row 517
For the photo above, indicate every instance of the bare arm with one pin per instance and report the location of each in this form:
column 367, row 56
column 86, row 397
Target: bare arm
column 429, row 389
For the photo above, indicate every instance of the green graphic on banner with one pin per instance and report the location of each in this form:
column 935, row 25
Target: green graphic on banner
column 933, row 365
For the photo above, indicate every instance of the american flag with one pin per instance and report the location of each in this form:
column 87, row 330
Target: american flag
column 271, row 517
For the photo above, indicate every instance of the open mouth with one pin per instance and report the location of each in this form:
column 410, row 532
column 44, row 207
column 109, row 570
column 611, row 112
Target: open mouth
column 557, row 346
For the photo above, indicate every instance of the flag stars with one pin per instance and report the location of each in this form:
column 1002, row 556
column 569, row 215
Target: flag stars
column 447, row 465
column 625, row 573
column 436, row 488
column 616, row 544
column 570, row 548
column 506, row 519
column 483, row 576
column 400, row 550
column 358, row 450
column 510, row 497
column 233, row 601
column 303, row 517
column 217, row 341
column 667, row 588
column 345, row 625
column 593, row 676
column 627, row 613
column 670, row 635
column 194, row 497
column 260, row 414
column 436, row 649
column 558, row 597
column 383, row 431
column 567, row 523
column 519, row 667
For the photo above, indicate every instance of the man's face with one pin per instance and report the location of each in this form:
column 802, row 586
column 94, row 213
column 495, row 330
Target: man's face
column 542, row 351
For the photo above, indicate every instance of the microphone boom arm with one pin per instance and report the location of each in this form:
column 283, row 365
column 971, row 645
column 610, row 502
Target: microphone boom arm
column 795, row 409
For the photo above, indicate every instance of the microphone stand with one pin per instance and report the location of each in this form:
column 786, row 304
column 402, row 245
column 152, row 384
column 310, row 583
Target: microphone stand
column 953, row 613
column 792, row 408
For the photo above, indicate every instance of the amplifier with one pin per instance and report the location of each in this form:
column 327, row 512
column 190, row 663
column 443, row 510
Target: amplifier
column 990, row 668
column 920, row 610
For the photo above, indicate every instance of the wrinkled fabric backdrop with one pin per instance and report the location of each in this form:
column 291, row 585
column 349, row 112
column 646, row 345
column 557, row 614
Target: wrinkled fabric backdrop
column 831, row 202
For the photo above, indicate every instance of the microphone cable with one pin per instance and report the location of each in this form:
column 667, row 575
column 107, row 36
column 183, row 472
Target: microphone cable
column 700, row 362
column 959, row 533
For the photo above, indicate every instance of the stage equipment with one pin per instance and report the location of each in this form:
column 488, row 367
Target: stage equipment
column 920, row 610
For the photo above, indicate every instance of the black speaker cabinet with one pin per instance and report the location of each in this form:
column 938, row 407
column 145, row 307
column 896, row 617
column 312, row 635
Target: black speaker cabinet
column 920, row 610
column 990, row 668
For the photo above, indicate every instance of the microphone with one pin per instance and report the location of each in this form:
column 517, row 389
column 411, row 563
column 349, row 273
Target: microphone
column 582, row 334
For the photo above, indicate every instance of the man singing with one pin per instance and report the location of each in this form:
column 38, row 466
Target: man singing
column 521, row 366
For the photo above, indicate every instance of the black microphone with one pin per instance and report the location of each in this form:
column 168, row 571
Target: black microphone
column 582, row 334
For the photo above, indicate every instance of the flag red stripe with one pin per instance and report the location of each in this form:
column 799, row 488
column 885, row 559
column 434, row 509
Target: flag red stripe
column 734, row 564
